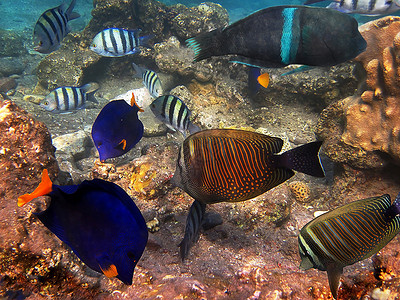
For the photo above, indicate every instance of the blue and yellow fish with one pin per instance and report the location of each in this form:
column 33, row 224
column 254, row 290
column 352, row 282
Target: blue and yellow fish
column 348, row 234
column 98, row 221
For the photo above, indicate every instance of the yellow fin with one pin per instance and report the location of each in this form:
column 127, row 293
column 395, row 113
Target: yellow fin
column 123, row 144
column 263, row 80
column 111, row 271
column 133, row 102
column 44, row 188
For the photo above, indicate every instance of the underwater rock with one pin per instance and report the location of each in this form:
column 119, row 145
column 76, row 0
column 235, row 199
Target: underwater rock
column 7, row 84
column 11, row 43
column 10, row 66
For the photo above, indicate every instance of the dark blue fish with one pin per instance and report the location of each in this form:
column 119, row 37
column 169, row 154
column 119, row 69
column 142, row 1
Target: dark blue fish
column 348, row 234
column 282, row 35
column 52, row 27
column 98, row 221
column 117, row 129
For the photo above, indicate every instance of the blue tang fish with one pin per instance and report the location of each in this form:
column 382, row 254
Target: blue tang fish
column 98, row 221
column 117, row 128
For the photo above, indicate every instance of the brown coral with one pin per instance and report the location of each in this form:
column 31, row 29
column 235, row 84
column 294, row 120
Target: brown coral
column 301, row 191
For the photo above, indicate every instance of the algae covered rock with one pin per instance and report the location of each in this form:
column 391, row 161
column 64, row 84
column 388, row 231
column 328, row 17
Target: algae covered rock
column 11, row 43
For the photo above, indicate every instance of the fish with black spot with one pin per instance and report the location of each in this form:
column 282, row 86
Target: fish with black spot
column 282, row 35
column 116, row 42
column 117, row 128
column 98, row 221
column 348, row 234
column 66, row 99
column 229, row 165
column 174, row 113
column 52, row 27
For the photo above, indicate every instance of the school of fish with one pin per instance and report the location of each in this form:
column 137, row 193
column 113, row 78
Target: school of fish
column 214, row 165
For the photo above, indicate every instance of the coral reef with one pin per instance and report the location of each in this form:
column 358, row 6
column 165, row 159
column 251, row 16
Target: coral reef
column 301, row 191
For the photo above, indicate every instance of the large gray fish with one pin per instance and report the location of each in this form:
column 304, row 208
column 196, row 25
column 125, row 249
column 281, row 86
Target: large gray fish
column 150, row 80
column 52, row 27
column 364, row 7
column 68, row 98
column 282, row 35
column 348, row 234
column 173, row 113
column 115, row 42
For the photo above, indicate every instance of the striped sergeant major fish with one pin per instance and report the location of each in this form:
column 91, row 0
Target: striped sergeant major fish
column 67, row 98
column 348, row 234
column 364, row 7
column 229, row 165
column 282, row 35
column 150, row 80
column 115, row 42
column 174, row 114
column 52, row 27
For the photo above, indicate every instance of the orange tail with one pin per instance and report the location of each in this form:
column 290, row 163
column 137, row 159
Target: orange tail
column 44, row 188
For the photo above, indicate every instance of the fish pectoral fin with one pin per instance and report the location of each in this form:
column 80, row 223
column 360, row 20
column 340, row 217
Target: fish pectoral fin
column 107, row 267
column 44, row 188
column 122, row 144
column 263, row 80
column 334, row 273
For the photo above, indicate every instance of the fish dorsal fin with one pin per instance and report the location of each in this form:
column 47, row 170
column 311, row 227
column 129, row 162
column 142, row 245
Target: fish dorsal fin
column 334, row 273
column 107, row 267
column 44, row 188
column 133, row 103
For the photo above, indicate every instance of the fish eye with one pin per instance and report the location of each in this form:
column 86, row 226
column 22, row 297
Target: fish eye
column 131, row 256
column 46, row 102
column 94, row 45
column 100, row 143
column 40, row 43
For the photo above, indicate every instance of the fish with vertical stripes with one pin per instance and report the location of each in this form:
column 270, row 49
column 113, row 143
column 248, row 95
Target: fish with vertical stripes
column 52, row 27
column 68, row 98
column 348, row 234
column 174, row 114
column 115, row 42
column 150, row 80
column 282, row 35
column 363, row 7
column 229, row 165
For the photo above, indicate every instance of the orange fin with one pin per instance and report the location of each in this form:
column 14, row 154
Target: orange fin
column 123, row 144
column 44, row 188
column 133, row 102
column 263, row 80
column 110, row 272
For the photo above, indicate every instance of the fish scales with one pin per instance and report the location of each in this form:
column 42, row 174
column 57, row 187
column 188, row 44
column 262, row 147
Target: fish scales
column 365, row 7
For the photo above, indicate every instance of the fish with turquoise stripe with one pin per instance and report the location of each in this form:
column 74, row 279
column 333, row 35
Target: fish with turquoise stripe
column 348, row 234
column 283, row 35
column 229, row 165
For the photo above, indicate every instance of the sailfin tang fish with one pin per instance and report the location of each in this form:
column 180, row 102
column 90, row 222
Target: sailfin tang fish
column 117, row 129
column 193, row 222
column 98, row 221
column 348, row 234
column 174, row 113
column 115, row 42
column 52, row 27
column 150, row 80
column 68, row 98
column 282, row 35
column 228, row 165
column 364, row 7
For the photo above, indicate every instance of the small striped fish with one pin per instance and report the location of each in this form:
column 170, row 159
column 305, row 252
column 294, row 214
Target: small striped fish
column 348, row 234
column 228, row 165
column 150, row 80
column 68, row 98
column 115, row 42
column 174, row 113
column 364, row 7
column 52, row 27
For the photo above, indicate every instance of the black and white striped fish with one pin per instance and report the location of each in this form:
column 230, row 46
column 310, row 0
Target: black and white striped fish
column 68, row 98
column 348, row 234
column 115, row 42
column 174, row 113
column 150, row 80
column 52, row 27
column 364, row 7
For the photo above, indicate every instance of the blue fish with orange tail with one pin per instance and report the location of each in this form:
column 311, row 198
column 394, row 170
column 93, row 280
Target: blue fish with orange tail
column 228, row 165
column 117, row 128
column 348, row 234
column 98, row 221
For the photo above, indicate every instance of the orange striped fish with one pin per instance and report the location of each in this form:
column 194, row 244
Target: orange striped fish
column 228, row 165
column 348, row 234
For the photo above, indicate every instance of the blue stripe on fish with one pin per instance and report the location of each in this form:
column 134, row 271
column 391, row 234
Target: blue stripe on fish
column 288, row 45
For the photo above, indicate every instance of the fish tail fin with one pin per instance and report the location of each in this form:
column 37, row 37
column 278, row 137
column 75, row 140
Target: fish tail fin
column 206, row 45
column 304, row 159
column 70, row 13
column 138, row 70
column 193, row 128
column 90, row 89
column 394, row 209
column 144, row 41
column 44, row 188
column 193, row 223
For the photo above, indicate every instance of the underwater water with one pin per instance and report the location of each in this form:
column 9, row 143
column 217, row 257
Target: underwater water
column 218, row 166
